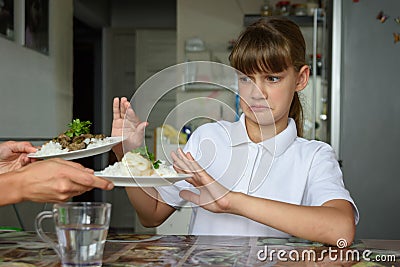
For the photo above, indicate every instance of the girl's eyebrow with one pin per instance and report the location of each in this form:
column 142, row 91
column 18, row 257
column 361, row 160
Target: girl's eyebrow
column 276, row 73
column 239, row 73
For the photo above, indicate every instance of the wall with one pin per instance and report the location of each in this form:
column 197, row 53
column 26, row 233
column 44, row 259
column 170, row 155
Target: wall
column 143, row 14
column 95, row 13
column 370, row 126
column 36, row 89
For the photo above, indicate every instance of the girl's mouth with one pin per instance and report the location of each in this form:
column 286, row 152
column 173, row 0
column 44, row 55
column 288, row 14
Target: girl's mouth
column 259, row 108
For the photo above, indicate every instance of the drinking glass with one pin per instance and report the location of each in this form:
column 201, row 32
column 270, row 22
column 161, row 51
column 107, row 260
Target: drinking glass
column 81, row 229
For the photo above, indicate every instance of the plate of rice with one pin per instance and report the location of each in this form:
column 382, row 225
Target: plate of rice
column 143, row 181
column 94, row 146
column 135, row 170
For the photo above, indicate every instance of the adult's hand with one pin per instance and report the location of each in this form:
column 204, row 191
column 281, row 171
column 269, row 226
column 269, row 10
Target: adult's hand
column 13, row 155
column 53, row 180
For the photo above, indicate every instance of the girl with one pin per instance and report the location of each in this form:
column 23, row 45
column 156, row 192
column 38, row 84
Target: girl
column 257, row 176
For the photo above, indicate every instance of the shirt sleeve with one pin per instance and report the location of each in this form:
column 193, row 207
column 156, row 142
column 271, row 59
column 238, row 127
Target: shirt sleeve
column 170, row 193
column 325, row 181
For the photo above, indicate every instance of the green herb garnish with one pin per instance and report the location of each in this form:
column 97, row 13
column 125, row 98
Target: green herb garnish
column 144, row 152
column 78, row 127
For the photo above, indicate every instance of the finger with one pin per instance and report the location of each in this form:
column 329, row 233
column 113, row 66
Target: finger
column 84, row 176
column 193, row 182
column 116, row 109
column 183, row 170
column 190, row 196
column 194, row 163
column 179, row 163
column 201, row 176
column 91, row 181
column 174, row 157
column 124, row 106
column 103, row 183
column 88, row 170
column 22, row 147
column 177, row 169
column 131, row 114
column 191, row 166
column 25, row 161
column 184, row 156
column 125, row 103
column 132, row 117
column 142, row 126
column 190, row 162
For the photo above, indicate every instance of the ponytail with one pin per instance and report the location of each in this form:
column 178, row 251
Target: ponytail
column 296, row 113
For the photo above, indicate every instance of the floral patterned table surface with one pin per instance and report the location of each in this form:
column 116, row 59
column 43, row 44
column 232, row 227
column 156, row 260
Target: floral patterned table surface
column 25, row 249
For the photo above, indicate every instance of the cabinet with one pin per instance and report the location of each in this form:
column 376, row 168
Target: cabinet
column 155, row 51
column 210, row 90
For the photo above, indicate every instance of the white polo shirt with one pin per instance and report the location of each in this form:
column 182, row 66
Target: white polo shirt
column 284, row 168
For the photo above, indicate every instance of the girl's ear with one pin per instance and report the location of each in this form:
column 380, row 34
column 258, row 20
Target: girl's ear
column 302, row 78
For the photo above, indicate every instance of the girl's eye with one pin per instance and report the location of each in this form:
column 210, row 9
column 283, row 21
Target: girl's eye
column 244, row 79
column 273, row 79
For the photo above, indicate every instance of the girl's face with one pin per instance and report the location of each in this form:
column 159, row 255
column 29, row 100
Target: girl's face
column 265, row 98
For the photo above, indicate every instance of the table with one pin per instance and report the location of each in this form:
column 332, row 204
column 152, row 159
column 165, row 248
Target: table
column 25, row 249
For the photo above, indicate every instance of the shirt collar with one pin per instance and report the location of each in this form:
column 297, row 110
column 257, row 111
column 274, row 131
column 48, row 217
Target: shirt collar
column 276, row 145
column 239, row 134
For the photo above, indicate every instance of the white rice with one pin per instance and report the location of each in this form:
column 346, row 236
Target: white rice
column 116, row 170
column 165, row 170
column 54, row 148
column 51, row 148
column 129, row 166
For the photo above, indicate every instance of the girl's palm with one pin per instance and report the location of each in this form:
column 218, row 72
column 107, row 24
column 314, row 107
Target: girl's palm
column 213, row 196
column 127, row 124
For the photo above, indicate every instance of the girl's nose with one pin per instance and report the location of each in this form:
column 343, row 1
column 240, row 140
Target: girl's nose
column 257, row 91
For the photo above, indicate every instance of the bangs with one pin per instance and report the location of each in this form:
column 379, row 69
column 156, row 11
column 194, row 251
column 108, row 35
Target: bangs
column 261, row 51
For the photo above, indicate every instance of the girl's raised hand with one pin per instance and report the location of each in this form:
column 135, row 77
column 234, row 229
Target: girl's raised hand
column 128, row 124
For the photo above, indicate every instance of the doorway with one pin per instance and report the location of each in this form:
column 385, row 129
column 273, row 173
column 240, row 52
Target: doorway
column 87, row 89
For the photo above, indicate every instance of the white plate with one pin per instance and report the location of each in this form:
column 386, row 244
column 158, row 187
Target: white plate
column 143, row 181
column 82, row 153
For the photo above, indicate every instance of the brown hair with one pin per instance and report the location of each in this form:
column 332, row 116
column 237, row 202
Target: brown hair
column 272, row 45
